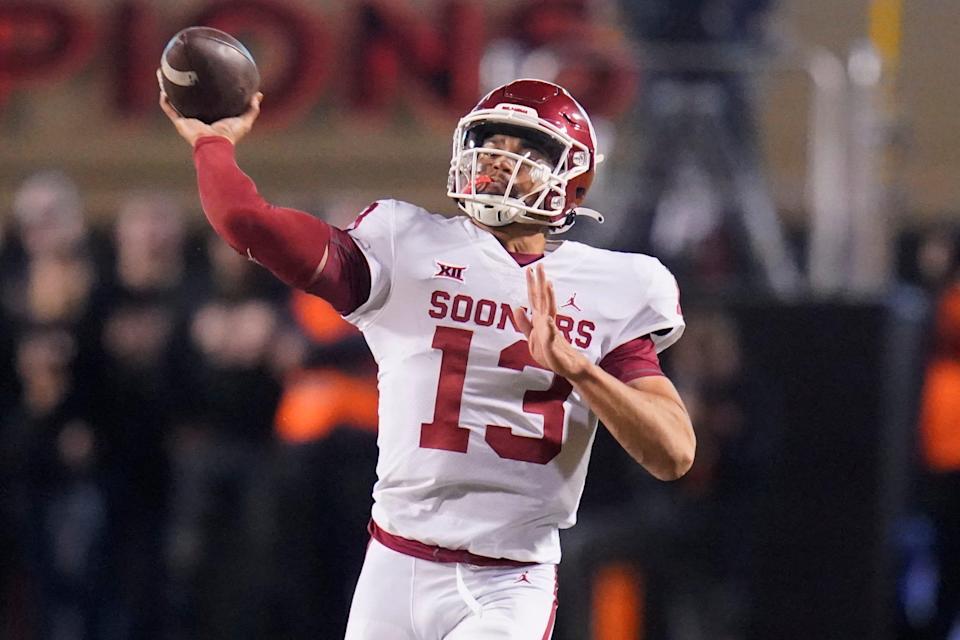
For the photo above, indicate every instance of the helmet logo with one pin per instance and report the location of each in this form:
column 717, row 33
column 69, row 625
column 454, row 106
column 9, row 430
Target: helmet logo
column 518, row 108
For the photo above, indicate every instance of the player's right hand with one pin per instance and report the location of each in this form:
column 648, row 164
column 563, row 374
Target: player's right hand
column 191, row 129
column 548, row 347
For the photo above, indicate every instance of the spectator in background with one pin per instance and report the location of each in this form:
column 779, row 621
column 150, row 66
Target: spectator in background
column 148, row 241
column 940, row 449
column 56, row 489
column 52, row 444
column 719, row 497
column 51, row 272
column 8, row 387
column 50, row 278
column 238, row 348
column 11, row 561
column 142, row 308
column 326, row 422
column 934, row 267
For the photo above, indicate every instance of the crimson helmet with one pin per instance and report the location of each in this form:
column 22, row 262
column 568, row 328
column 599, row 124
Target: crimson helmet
column 548, row 120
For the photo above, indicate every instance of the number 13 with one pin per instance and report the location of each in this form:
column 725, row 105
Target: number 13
column 445, row 431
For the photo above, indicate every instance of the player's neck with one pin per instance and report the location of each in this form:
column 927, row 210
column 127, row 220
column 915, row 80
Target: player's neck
column 518, row 238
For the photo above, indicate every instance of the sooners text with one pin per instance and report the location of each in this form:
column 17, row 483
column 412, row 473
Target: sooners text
column 488, row 313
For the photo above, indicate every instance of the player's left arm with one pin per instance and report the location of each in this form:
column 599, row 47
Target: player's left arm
column 646, row 415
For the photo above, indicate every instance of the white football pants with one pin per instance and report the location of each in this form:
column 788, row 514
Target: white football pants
column 399, row 597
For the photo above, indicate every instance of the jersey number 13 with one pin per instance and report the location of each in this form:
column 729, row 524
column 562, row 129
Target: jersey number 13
column 445, row 431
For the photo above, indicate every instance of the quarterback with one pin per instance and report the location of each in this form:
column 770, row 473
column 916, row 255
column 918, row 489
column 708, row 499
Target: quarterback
column 499, row 348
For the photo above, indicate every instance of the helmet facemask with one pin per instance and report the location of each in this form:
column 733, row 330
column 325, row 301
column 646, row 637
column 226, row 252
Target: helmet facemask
column 529, row 187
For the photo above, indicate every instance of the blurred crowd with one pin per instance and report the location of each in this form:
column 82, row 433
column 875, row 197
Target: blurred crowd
column 148, row 490
column 929, row 585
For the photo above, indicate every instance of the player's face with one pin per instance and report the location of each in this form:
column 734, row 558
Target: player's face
column 500, row 167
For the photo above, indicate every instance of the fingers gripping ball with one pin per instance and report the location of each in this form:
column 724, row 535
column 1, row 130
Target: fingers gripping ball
column 208, row 74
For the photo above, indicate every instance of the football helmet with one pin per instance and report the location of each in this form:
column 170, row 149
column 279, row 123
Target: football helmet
column 543, row 185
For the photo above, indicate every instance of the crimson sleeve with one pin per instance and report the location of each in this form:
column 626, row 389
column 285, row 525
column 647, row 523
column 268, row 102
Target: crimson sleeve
column 288, row 242
column 634, row 359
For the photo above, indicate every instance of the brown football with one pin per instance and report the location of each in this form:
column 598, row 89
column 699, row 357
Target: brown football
column 208, row 74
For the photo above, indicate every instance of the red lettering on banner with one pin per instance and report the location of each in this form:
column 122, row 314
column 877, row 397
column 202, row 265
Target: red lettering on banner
column 294, row 52
column 593, row 62
column 132, row 81
column 395, row 44
column 393, row 52
column 40, row 41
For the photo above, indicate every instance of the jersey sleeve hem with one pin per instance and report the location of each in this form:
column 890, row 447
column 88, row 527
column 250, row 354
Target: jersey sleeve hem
column 663, row 342
column 659, row 342
column 357, row 316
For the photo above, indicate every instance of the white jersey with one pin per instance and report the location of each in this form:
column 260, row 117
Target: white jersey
column 480, row 448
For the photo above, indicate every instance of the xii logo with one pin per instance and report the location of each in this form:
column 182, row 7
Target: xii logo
column 449, row 271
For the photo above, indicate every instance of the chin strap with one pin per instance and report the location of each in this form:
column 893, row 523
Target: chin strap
column 572, row 217
column 590, row 213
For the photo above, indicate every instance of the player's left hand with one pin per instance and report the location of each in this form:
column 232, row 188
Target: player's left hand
column 548, row 347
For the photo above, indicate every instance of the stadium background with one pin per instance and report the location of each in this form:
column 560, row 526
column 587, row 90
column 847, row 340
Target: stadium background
column 186, row 449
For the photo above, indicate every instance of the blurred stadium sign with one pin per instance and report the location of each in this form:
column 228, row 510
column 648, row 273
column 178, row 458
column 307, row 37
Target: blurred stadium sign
column 361, row 96
column 370, row 56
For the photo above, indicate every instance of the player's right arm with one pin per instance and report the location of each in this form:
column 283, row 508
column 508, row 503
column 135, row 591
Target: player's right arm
column 299, row 249
column 644, row 413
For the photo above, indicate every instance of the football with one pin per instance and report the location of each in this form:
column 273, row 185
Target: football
column 208, row 74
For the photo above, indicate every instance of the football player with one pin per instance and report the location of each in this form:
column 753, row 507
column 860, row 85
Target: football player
column 499, row 347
